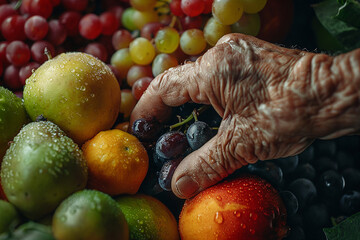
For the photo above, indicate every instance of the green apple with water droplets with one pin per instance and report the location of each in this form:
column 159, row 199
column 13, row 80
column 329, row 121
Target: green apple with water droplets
column 41, row 168
column 12, row 117
column 77, row 92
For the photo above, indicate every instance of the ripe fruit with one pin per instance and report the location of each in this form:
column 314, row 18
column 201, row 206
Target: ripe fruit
column 77, row 92
column 12, row 117
column 117, row 162
column 148, row 218
column 89, row 214
column 246, row 207
column 41, row 168
column 9, row 216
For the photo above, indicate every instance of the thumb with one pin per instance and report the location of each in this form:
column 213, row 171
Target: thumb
column 206, row 166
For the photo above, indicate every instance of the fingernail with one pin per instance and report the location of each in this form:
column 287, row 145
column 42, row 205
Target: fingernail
column 186, row 186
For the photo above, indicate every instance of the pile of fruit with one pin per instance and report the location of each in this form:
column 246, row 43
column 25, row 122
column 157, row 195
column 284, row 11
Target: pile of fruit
column 72, row 71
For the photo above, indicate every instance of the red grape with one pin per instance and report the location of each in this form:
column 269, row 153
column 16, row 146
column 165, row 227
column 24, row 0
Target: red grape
column 208, row 6
column 36, row 27
column 55, row 2
column 140, row 86
column 121, row 39
column 75, row 5
column 70, row 20
column 18, row 53
column 118, row 11
column 12, row 28
column 109, row 23
column 25, row 7
column 26, row 71
column 116, row 73
column 149, row 30
column 191, row 22
column 11, row 77
column 43, row 8
column 3, row 46
column 192, row 8
column 1, row 68
column 57, row 32
column 90, row 26
column 38, row 51
column 97, row 50
column 175, row 8
column 138, row 71
column 6, row 10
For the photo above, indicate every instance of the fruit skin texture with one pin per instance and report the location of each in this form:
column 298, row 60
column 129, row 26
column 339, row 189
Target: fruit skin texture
column 90, row 215
column 9, row 216
column 148, row 218
column 246, row 207
column 41, row 168
column 117, row 162
column 77, row 92
column 12, row 117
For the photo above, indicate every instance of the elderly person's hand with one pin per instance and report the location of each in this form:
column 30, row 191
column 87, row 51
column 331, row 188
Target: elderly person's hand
column 273, row 101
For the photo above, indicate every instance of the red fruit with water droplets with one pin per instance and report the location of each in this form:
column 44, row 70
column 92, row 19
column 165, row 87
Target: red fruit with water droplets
column 246, row 207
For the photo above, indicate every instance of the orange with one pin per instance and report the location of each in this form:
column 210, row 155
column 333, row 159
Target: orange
column 117, row 162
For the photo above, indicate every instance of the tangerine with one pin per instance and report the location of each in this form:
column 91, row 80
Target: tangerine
column 117, row 162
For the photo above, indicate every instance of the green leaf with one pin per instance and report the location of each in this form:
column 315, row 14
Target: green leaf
column 347, row 229
column 347, row 35
column 349, row 12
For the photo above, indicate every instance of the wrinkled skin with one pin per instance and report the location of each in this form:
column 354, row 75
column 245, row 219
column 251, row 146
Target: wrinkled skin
column 274, row 102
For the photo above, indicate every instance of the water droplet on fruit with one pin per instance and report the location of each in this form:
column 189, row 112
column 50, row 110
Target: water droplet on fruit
column 237, row 213
column 82, row 88
column 219, row 218
column 219, row 198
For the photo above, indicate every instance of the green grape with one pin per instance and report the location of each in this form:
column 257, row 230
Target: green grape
column 214, row 30
column 192, row 41
column 253, row 6
column 127, row 19
column 248, row 24
column 227, row 11
column 163, row 62
column 122, row 61
column 143, row 5
column 167, row 40
column 142, row 52
column 140, row 18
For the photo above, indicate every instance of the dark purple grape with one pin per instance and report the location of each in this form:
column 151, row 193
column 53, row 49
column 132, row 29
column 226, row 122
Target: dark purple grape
column 304, row 190
column 344, row 160
column 171, row 145
column 307, row 155
column 186, row 109
column 330, row 185
column 324, row 163
column 295, row 220
column 350, row 203
column 211, row 117
column 167, row 172
column 316, row 216
column 287, row 164
column 147, row 130
column 290, row 201
column 352, row 178
column 305, row 170
column 198, row 134
column 150, row 185
column 267, row 170
column 325, row 148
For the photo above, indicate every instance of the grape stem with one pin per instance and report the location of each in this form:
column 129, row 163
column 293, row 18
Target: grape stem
column 47, row 53
column 194, row 114
column 18, row 5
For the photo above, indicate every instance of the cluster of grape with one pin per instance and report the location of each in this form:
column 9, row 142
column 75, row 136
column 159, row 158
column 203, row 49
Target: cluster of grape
column 138, row 39
column 320, row 187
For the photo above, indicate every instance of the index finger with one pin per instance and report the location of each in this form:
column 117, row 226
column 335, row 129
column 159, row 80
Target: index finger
column 174, row 87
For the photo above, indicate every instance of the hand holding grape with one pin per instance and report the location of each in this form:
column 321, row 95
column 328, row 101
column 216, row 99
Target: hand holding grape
column 273, row 101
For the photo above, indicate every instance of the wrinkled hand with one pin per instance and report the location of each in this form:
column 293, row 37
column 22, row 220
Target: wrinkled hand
column 264, row 95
